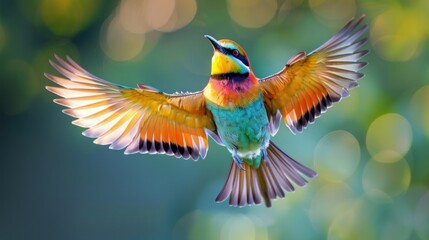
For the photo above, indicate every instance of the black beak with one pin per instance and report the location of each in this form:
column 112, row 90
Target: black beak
column 215, row 43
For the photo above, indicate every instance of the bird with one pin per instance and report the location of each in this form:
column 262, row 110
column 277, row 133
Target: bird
column 236, row 109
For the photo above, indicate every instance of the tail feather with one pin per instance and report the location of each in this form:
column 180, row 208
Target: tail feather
column 264, row 190
column 274, row 176
column 301, row 168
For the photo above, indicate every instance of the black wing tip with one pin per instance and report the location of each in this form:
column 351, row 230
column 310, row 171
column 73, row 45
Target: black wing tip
column 359, row 75
column 358, row 20
column 363, row 16
column 352, row 24
column 364, row 40
column 363, row 53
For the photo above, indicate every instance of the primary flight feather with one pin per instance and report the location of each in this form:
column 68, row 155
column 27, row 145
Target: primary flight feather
column 237, row 109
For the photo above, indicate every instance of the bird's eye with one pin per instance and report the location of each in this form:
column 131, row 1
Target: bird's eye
column 235, row 52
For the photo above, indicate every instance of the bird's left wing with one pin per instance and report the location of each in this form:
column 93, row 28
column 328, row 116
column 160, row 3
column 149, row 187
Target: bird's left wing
column 141, row 120
column 309, row 84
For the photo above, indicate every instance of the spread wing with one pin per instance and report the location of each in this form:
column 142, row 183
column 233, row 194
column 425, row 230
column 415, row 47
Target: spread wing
column 141, row 120
column 309, row 84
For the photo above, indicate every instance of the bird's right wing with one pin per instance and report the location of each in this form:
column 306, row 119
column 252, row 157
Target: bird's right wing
column 141, row 120
column 309, row 84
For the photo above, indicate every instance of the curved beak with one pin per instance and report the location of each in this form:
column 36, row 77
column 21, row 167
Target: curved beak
column 215, row 43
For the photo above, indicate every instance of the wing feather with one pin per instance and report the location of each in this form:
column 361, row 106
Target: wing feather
column 309, row 84
column 139, row 120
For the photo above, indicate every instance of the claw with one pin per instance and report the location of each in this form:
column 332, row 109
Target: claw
column 238, row 161
column 265, row 155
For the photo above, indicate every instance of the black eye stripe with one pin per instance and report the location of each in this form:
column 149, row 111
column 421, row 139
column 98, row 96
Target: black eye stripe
column 243, row 60
column 230, row 51
column 240, row 57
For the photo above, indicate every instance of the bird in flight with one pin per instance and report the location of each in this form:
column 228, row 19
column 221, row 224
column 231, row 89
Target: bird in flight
column 236, row 109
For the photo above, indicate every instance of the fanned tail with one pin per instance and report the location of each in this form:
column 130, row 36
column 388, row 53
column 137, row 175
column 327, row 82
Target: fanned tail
column 274, row 176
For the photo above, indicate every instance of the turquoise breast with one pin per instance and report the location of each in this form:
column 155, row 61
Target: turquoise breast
column 243, row 129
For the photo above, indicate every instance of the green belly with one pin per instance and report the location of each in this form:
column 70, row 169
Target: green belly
column 243, row 129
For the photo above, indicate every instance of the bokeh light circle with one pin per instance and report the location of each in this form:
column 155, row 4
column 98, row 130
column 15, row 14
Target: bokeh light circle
column 68, row 17
column 398, row 220
column 162, row 15
column 337, row 155
column 329, row 201
column 383, row 181
column 252, row 13
column 389, row 138
column 119, row 44
column 220, row 225
column 333, row 9
column 131, row 16
column 397, row 33
column 158, row 12
column 355, row 222
column 183, row 13
column 239, row 226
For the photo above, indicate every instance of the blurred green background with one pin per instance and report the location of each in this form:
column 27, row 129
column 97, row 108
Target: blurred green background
column 371, row 150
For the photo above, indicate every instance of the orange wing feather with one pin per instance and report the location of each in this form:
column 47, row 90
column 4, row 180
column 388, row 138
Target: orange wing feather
column 140, row 120
column 309, row 84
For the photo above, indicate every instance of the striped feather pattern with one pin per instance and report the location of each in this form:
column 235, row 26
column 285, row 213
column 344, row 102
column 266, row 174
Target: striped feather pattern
column 274, row 176
column 310, row 84
column 142, row 120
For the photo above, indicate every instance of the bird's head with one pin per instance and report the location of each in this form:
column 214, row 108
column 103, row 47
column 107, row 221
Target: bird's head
column 229, row 60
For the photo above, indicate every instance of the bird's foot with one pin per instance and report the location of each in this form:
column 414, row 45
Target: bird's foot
column 265, row 155
column 238, row 161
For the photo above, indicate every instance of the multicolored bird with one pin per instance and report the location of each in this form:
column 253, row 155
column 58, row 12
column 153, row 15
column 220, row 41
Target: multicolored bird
column 236, row 109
